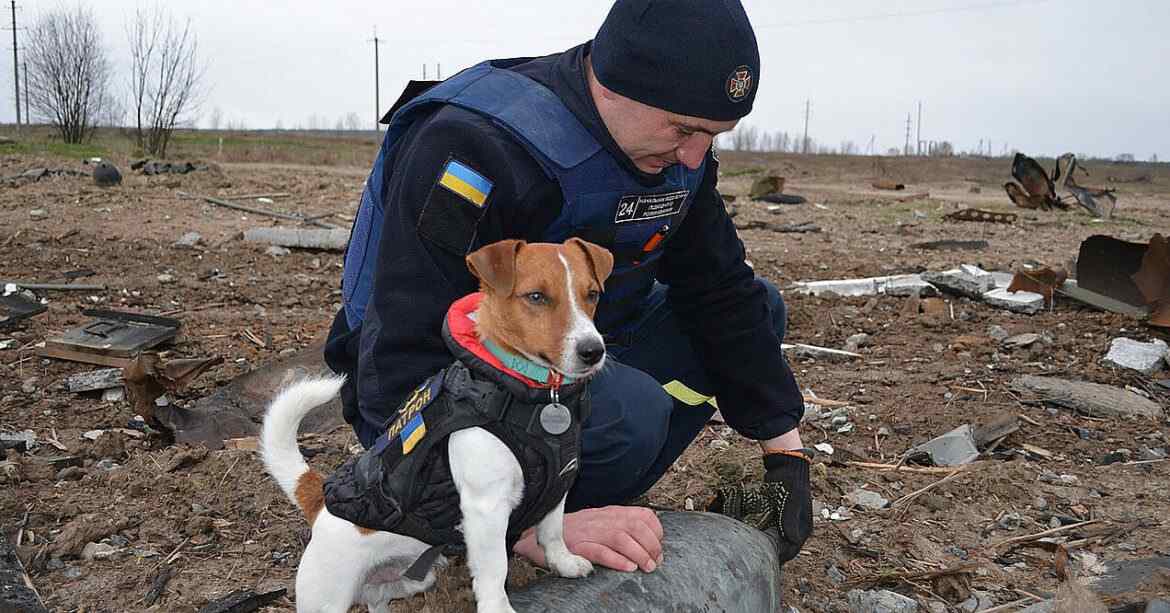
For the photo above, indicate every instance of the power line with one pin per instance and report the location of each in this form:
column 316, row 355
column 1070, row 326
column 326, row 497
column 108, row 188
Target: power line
column 902, row 14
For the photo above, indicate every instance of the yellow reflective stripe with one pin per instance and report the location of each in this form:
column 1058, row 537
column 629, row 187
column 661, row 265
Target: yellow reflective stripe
column 680, row 392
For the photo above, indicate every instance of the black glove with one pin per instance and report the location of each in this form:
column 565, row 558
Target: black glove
column 782, row 502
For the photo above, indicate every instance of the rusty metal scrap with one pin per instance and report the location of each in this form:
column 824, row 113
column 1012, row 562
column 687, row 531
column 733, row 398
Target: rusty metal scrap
column 148, row 377
column 1038, row 189
column 1153, row 280
column 1100, row 203
column 1043, row 281
column 981, row 215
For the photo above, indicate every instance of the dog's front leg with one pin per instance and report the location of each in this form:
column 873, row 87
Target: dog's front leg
column 550, row 534
column 490, row 484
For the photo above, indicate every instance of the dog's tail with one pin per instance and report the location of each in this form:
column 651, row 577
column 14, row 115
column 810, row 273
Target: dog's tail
column 278, row 442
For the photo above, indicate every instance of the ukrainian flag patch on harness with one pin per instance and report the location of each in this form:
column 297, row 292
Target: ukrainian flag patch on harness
column 410, row 427
column 415, row 429
column 461, row 179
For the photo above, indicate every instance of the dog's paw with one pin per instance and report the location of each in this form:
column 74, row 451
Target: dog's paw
column 571, row 566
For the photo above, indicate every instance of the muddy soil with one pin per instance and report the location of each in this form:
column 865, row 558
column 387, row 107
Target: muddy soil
column 220, row 525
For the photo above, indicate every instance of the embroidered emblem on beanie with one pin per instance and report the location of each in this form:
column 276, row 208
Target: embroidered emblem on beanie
column 739, row 83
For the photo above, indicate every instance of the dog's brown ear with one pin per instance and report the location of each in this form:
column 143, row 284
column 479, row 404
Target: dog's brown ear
column 495, row 265
column 600, row 259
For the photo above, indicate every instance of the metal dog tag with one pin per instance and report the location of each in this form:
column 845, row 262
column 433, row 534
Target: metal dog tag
column 555, row 418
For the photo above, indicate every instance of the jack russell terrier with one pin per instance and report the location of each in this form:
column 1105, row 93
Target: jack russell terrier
column 480, row 452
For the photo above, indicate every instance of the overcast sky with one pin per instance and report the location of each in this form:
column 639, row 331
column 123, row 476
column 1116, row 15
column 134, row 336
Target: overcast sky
column 1043, row 76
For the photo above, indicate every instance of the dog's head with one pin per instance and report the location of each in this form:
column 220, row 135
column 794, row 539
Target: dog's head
column 539, row 301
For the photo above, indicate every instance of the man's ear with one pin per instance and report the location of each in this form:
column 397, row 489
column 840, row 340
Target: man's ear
column 600, row 259
column 495, row 265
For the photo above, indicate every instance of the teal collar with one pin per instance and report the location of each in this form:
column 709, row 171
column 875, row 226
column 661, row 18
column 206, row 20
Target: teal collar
column 523, row 365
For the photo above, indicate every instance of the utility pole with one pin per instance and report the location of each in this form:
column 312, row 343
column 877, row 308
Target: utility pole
column 439, row 71
column 807, row 111
column 919, row 147
column 15, row 66
column 27, row 106
column 906, row 151
column 377, row 85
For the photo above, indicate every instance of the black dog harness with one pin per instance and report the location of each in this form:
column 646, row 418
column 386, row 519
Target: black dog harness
column 403, row 483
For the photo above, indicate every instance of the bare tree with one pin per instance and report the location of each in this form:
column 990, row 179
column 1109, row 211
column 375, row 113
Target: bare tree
column 166, row 77
column 353, row 121
column 68, row 72
column 215, row 120
column 744, row 138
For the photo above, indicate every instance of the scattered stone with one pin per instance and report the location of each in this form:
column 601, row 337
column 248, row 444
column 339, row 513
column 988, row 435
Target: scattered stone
column 978, row 601
column 1020, row 341
column 954, row 448
column 38, row 214
column 72, row 572
column 71, row 473
column 29, row 385
column 1146, row 358
column 856, row 342
column 1010, row 521
column 107, row 465
column 997, row 332
column 98, row 551
column 1039, row 503
column 54, row 564
column 867, row 499
column 166, row 279
column 1147, row 454
column 1048, row 477
column 912, row 285
column 835, row 575
column 1027, row 303
column 189, row 240
column 277, row 251
column 114, row 394
column 883, row 601
column 94, row 380
column 970, row 281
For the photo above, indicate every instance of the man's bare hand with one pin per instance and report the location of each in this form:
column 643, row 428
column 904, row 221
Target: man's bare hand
column 621, row 538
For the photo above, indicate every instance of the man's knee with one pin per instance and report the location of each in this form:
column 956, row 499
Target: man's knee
column 622, row 438
column 778, row 307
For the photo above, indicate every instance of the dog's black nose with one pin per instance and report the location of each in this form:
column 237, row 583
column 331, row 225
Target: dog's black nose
column 590, row 351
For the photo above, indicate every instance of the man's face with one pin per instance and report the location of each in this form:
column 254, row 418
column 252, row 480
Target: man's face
column 654, row 138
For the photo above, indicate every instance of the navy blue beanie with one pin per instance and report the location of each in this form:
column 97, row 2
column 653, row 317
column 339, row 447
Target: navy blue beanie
column 691, row 57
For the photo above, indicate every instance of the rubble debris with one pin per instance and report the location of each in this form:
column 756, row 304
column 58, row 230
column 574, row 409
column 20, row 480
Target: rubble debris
column 17, row 592
column 812, row 351
column 1093, row 399
column 1106, row 265
column 1146, row 358
column 151, row 167
column 796, row 228
column 981, row 215
column 702, row 546
column 1035, row 189
column 15, row 307
column 867, row 499
column 22, row 441
column 783, row 199
column 111, row 338
column 967, row 280
column 264, row 212
column 148, row 377
column 1125, row 576
column 955, row 448
column 766, row 185
column 236, row 410
column 1153, row 280
column 243, row 601
column 1071, row 289
column 328, row 240
column 952, row 245
column 85, row 529
column 158, row 585
column 897, row 285
column 94, row 380
column 33, row 175
column 1000, row 426
column 1065, row 176
column 887, row 185
column 190, row 240
column 883, row 601
column 1021, row 341
column 106, row 174
column 1043, row 281
column 1027, row 303
column 855, row 342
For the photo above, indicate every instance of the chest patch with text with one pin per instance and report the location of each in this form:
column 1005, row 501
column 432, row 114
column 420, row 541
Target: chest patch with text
column 649, row 206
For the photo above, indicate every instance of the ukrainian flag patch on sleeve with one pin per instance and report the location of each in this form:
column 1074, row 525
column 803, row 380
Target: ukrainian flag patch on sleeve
column 462, row 180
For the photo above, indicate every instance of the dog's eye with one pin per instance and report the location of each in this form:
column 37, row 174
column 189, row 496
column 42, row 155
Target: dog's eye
column 593, row 296
column 536, row 298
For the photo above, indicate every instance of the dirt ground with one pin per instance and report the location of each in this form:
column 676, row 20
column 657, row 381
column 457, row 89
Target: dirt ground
column 219, row 524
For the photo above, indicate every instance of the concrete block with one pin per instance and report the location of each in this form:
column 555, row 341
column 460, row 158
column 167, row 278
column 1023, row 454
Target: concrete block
column 1027, row 303
column 1146, row 358
column 967, row 280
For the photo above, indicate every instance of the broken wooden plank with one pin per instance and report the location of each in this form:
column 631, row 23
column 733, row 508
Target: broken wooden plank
column 94, row 380
column 81, row 356
column 243, row 601
column 1091, row 399
column 17, row 592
